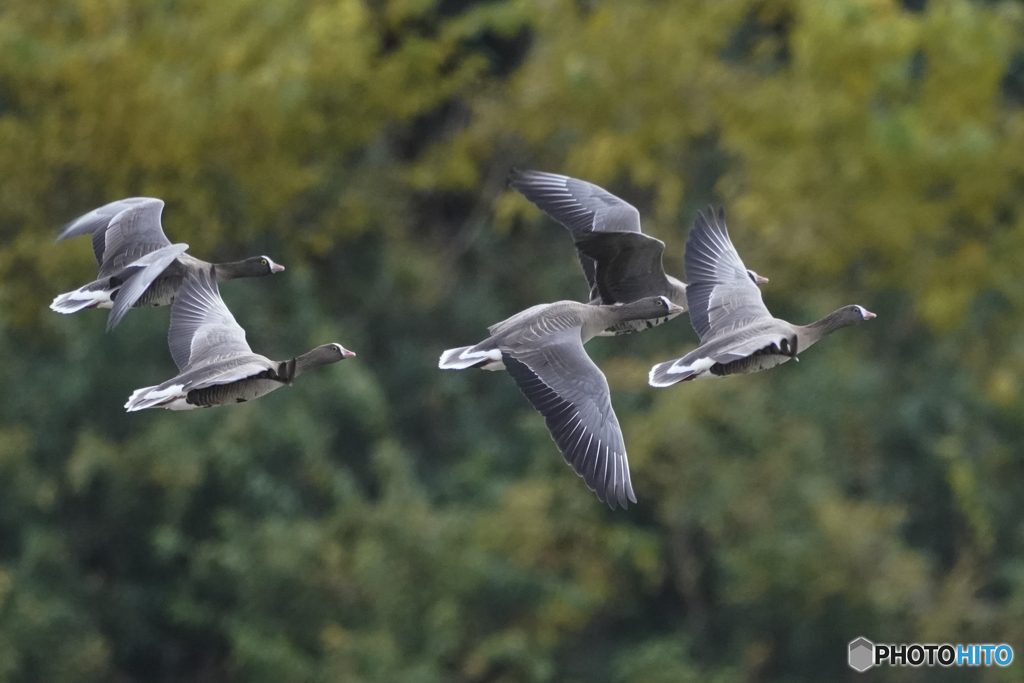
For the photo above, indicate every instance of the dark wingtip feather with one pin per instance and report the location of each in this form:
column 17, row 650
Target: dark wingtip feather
column 701, row 221
column 622, row 495
column 67, row 230
column 115, row 317
column 716, row 220
column 519, row 178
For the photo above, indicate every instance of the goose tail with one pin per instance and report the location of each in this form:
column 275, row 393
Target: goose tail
column 81, row 299
column 671, row 372
column 154, row 397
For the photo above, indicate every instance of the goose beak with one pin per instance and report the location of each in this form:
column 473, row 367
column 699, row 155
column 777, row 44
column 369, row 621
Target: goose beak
column 276, row 268
column 345, row 353
column 868, row 315
column 760, row 279
column 675, row 308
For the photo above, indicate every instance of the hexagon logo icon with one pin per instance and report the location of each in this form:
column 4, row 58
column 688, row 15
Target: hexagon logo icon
column 862, row 654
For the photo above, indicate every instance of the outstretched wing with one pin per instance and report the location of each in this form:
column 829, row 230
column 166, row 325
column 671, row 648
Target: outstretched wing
column 720, row 294
column 568, row 389
column 580, row 206
column 202, row 328
column 149, row 268
column 628, row 265
column 122, row 231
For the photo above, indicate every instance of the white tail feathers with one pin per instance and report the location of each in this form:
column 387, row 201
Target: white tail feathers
column 668, row 373
column 153, row 397
column 659, row 377
column 464, row 357
column 81, row 299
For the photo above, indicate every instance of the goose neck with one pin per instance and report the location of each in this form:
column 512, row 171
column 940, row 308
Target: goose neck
column 830, row 323
column 229, row 271
column 306, row 361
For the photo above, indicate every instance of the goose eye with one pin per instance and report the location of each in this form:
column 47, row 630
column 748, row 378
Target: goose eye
column 264, row 261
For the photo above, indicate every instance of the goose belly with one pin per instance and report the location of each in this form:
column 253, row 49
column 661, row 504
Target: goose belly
column 236, row 392
column 180, row 403
column 755, row 363
column 631, row 326
column 161, row 292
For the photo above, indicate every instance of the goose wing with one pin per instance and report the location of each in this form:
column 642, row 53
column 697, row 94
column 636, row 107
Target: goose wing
column 565, row 386
column 721, row 296
column 628, row 265
column 772, row 336
column 202, row 328
column 146, row 269
column 580, row 206
column 122, row 232
column 518, row 320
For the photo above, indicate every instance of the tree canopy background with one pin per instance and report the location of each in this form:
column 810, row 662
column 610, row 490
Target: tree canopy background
column 384, row 521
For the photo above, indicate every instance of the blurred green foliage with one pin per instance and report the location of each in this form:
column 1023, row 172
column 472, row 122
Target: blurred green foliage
column 385, row 522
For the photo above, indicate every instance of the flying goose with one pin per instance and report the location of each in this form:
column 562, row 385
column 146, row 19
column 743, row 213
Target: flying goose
column 542, row 348
column 138, row 264
column 737, row 333
column 217, row 366
column 620, row 262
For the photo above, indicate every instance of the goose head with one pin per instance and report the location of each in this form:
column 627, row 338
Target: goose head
column 256, row 266
column 325, row 354
column 653, row 307
column 331, row 353
column 851, row 315
column 755, row 278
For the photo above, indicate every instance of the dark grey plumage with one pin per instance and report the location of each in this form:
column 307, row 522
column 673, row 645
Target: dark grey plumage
column 542, row 349
column 138, row 265
column 620, row 262
column 738, row 334
column 216, row 365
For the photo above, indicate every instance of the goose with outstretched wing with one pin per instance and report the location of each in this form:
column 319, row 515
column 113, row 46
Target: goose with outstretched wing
column 737, row 332
column 216, row 365
column 620, row 262
column 138, row 265
column 542, row 349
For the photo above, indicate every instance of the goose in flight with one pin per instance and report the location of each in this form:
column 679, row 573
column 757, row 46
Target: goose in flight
column 138, row 265
column 542, row 348
column 620, row 262
column 216, row 365
column 737, row 333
